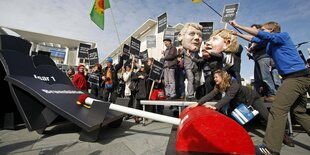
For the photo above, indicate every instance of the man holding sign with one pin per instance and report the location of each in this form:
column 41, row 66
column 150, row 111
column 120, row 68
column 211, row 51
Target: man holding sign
column 170, row 64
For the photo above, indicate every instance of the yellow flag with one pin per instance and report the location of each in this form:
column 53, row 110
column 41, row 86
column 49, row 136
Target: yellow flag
column 196, row 1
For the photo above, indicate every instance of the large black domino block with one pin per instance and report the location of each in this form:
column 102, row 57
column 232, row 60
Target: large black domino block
column 8, row 42
column 42, row 92
column 9, row 116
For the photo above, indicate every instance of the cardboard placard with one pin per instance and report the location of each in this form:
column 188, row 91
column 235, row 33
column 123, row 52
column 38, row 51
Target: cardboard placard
column 126, row 53
column 156, row 70
column 150, row 41
column 135, row 47
column 144, row 56
column 83, row 51
column 162, row 22
column 207, row 30
column 230, row 12
column 169, row 33
column 93, row 57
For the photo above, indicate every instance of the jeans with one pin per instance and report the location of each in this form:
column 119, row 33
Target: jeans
column 276, row 78
column 169, row 82
column 266, row 76
column 193, row 79
column 179, row 81
column 109, row 95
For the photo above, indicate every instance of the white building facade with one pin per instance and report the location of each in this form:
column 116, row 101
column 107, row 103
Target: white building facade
column 148, row 28
column 63, row 51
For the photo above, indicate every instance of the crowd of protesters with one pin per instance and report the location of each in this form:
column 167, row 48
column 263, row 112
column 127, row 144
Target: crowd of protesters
column 211, row 71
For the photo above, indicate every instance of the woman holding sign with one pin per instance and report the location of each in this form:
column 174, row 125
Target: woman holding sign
column 139, row 93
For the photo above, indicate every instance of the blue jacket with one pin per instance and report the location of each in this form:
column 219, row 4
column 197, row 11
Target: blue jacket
column 282, row 50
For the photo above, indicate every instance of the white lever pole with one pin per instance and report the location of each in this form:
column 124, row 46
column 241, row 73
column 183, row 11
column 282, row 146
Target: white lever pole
column 140, row 113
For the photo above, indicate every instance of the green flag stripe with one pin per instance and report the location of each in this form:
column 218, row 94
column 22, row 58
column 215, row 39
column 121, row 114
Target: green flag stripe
column 98, row 19
column 107, row 4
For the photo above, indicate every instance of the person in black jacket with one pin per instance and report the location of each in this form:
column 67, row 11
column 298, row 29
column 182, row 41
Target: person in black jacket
column 110, row 80
column 210, row 62
column 234, row 94
column 234, row 70
column 140, row 94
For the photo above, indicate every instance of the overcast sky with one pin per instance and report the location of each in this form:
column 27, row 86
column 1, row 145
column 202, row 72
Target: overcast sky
column 70, row 18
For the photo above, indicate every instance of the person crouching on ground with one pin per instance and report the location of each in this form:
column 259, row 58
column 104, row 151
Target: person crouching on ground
column 233, row 93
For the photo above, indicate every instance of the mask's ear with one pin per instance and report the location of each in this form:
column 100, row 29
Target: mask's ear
column 180, row 38
column 227, row 44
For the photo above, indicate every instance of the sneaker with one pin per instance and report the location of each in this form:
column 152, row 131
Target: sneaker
column 288, row 141
column 263, row 98
column 127, row 117
column 192, row 99
column 171, row 98
column 175, row 108
column 263, row 122
column 176, row 114
column 137, row 119
column 263, row 150
column 269, row 98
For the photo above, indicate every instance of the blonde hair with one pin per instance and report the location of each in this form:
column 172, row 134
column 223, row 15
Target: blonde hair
column 273, row 26
column 226, row 78
column 228, row 36
column 187, row 25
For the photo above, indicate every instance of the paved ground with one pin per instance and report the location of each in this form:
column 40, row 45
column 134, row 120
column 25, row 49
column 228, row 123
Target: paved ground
column 129, row 139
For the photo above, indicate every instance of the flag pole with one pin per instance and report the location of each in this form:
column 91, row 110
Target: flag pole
column 119, row 41
column 212, row 8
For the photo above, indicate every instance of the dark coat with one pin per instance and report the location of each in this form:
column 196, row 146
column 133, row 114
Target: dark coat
column 170, row 57
column 237, row 61
column 236, row 93
column 141, row 93
column 259, row 51
column 211, row 64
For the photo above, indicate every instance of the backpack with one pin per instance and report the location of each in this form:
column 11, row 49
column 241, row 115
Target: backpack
column 134, row 86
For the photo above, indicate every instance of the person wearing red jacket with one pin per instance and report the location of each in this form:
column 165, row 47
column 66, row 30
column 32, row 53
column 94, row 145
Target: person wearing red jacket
column 79, row 80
